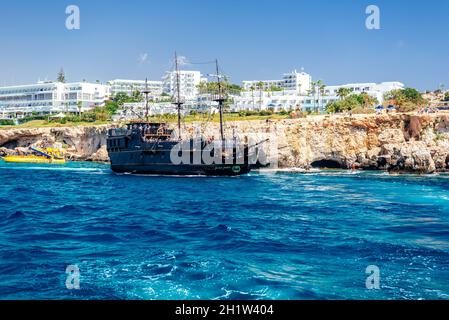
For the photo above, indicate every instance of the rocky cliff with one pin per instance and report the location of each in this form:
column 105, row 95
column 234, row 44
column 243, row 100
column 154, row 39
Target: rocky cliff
column 395, row 142
column 80, row 143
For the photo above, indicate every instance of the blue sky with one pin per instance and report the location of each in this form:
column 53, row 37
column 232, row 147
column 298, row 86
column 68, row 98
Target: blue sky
column 253, row 39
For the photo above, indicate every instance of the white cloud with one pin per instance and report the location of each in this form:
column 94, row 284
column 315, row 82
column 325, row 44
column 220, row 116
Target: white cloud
column 182, row 61
column 143, row 58
column 400, row 44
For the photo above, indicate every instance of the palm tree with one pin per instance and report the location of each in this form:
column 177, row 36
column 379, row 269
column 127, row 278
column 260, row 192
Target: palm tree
column 79, row 105
column 202, row 87
column 311, row 92
column 343, row 92
column 320, row 90
column 315, row 85
column 61, row 76
column 252, row 88
column 260, row 87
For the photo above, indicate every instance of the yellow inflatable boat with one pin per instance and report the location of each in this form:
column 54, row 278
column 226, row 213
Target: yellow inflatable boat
column 48, row 155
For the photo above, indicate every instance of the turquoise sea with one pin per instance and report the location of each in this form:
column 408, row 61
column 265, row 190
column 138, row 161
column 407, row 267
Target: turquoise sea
column 267, row 235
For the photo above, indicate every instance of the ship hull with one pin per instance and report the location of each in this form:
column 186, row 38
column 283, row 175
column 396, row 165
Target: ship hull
column 182, row 169
column 144, row 150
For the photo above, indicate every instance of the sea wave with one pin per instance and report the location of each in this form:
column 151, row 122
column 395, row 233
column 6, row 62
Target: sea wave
column 267, row 235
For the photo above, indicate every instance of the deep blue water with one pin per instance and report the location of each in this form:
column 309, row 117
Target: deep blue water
column 263, row 236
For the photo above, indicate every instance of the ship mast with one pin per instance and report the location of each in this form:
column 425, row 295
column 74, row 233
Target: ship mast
column 146, row 92
column 220, row 101
column 178, row 101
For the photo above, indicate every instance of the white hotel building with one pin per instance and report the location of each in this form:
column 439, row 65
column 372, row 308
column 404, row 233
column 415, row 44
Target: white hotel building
column 54, row 97
column 188, row 83
column 376, row 90
column 295, row 93
column 51, row 97
column 299, row 82
column 130, row 86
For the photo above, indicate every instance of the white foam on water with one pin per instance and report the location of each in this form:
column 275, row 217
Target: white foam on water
column 45, row 168
column 292, row 169
column 174, row 175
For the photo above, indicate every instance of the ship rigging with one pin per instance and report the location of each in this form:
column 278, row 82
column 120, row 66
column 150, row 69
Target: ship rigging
column 145, row 147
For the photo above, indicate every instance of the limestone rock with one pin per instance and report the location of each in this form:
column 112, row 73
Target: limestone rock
column 80, row 143
column 394, row 142
column 100, row 156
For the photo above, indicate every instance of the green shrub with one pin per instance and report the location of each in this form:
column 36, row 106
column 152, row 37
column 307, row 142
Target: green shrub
column 266, row 113
column 408, row 107
column 248, row 113
column 34, row 116
column 6, row 122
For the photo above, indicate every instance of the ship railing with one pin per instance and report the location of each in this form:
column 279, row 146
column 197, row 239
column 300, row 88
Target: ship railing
column 151, row 136
column 119, row 132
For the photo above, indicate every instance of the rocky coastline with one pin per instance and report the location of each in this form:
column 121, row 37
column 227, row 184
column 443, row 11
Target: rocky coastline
column 397, row 143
